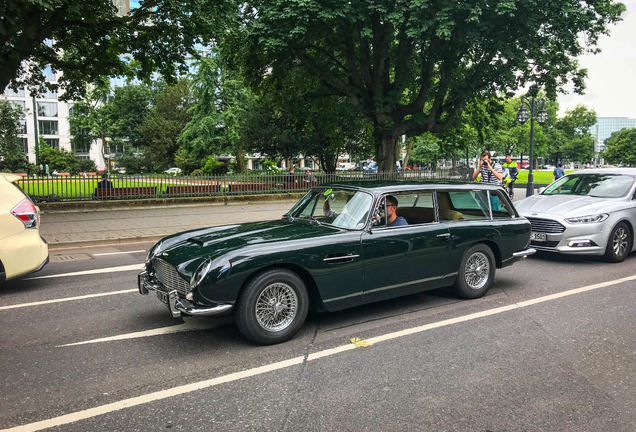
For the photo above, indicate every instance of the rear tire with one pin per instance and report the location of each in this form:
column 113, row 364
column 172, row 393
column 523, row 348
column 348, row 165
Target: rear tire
column 273, row 307
column 619, row 243
column 476, row 272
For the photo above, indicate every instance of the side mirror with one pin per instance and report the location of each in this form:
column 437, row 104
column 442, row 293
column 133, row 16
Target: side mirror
column 541, row 189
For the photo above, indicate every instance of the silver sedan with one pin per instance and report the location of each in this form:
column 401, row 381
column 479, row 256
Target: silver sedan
column 591, row 212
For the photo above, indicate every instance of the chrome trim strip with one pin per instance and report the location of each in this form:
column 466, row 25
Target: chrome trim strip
column 342, row 257
column 524, row 253
column 404, row 284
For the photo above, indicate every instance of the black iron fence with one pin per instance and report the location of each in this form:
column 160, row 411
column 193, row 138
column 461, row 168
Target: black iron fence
column 80, row 188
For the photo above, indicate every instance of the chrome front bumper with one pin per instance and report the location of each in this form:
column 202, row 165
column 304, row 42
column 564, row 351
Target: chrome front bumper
column 176, row 305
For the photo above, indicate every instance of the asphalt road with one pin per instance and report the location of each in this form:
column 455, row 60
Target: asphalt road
column 519, row 359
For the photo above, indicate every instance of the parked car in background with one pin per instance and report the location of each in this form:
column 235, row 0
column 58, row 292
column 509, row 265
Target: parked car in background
column 22, row 250
column 591, row 212
column 174, row 171
column 335, row 249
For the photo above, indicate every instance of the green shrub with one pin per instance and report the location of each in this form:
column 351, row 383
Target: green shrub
column 196, row 172
column 212, row 166
column 87, row 165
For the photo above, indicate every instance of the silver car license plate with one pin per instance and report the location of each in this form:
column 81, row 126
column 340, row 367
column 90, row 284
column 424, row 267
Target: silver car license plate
column 541, row 237
column 162, row 296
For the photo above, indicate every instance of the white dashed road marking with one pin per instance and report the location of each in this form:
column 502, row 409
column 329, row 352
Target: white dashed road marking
column 189, row 325
column 95, row 271
column 188, row 388
column 60, row 300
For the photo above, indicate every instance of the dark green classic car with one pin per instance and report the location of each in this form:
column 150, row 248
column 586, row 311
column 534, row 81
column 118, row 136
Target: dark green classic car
column 341, row 245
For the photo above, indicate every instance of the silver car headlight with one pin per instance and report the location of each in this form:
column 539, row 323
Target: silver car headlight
column 588, row 219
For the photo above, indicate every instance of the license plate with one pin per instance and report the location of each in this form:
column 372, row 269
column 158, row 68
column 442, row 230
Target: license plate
column 539, row 237
column 162, row 296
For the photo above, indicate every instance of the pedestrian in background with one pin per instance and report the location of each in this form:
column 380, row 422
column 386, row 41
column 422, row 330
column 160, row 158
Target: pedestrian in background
column 310, row 178
column 558, row 172
column 291, row 177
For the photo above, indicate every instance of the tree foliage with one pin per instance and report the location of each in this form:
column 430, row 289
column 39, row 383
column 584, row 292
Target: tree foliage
column 621, row 149
column 411, row 66
column 58, row 159
column 89, row 41
column 165, row 123
column 12, row 156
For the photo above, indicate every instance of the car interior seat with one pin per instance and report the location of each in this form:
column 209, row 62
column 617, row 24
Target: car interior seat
column 446, row 209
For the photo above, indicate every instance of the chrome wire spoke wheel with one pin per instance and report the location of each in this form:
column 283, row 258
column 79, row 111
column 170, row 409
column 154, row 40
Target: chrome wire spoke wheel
column 620, row 241
column 276, row 307
column 477, row 270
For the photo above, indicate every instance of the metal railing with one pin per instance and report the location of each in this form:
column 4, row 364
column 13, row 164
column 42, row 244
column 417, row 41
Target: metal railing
column 79, row 188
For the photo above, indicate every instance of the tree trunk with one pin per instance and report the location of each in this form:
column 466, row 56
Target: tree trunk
column 454, row 159
column 408, row 152
column 385, row 152
column 240, row 161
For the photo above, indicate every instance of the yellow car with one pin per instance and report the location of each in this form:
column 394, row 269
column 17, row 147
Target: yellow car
column 22, row 250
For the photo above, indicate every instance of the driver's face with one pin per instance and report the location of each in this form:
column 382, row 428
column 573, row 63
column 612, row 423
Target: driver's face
column 508, row 159
column 390, row 209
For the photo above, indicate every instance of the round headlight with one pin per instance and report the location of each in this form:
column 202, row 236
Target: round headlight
column 200, row 273
column 153, row 251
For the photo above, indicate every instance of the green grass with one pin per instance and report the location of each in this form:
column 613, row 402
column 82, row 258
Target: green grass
column 80, row 188
column 540, row 177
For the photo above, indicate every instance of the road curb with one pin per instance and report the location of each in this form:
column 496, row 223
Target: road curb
column 95, row 206
column 105, row 242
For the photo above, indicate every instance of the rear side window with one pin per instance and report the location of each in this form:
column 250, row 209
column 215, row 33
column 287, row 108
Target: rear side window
column 463, row 205
column 501, row 207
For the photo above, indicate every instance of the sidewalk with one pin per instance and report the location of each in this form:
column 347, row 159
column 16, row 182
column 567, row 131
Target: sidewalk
column 131, row 225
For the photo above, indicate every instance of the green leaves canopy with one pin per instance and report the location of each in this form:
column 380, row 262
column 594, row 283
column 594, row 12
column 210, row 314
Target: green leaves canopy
column 622, row 148
column 89, row 40
column 411, row 65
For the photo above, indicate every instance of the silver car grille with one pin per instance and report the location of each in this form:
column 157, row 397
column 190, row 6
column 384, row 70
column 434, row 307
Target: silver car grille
column 546, row 226
column 169, row 278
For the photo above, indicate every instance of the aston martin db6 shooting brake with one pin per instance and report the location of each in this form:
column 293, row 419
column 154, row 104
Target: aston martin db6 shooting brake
column 341, row 245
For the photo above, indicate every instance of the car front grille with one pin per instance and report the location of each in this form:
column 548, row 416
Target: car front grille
column 546, row 244
column 169, row 278
column 546, row 226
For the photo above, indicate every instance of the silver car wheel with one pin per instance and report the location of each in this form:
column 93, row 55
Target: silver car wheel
column 276, row 307
column 477, row 270
column 620, row 241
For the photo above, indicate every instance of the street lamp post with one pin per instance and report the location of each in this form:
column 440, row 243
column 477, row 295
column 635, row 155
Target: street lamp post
column 537, row 110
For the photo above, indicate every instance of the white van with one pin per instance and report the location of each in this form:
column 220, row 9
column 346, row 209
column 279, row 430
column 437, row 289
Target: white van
column 346, row 166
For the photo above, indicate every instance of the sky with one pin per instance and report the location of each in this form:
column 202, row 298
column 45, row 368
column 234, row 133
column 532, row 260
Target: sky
column 611, row 82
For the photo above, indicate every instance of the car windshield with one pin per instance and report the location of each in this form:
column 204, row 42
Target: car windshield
column 594, row 185
column 334, row 206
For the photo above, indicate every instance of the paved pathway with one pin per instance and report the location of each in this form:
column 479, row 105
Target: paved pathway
column 118, row 225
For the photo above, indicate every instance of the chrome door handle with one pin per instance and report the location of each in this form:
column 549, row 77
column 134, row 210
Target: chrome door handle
column 443, row 235
column 340, row 257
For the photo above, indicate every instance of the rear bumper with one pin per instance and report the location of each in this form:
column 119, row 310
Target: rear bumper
column 176, row 305
column 22, row 254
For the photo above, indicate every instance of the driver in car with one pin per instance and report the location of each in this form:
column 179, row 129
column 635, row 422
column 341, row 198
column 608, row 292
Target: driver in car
column 391, row 208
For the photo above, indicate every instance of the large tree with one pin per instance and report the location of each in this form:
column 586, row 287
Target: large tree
column 90, row 40
column 578, row 145
column 164, row 124
column 412, row 65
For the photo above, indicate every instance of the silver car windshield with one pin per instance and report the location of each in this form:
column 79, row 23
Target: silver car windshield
column 594, row 185
column 334, row 206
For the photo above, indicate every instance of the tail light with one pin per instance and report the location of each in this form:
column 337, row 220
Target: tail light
column 27, row 213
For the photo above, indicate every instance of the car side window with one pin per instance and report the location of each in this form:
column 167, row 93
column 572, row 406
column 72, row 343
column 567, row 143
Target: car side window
column 501, row 208
column 463, row 205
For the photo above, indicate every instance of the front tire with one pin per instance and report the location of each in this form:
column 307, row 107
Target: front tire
column 619, row 243
column 273, row 307
column 476, row 272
